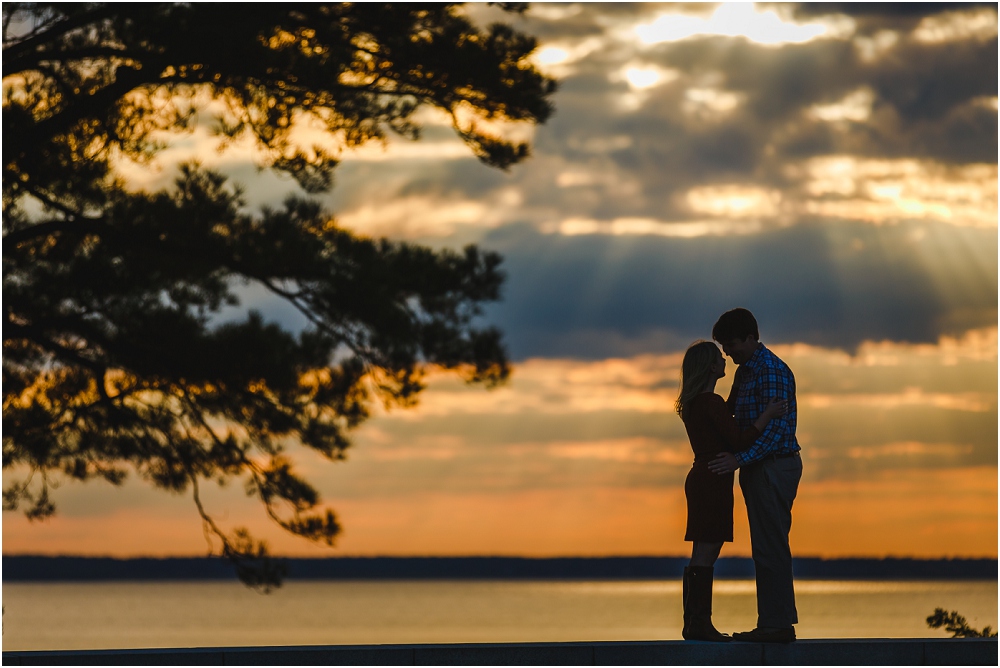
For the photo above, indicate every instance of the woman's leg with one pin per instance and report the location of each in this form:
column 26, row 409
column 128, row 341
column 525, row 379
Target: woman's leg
column 704, row 554
column 697, row 593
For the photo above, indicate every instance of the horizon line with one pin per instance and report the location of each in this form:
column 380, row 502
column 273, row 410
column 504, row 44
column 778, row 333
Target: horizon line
column 489, row 556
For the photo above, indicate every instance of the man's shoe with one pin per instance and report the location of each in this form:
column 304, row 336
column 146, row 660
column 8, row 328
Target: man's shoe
column 766, row 635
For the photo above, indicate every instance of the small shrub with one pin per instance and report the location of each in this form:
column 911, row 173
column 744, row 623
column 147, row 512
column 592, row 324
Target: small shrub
column 955, row 624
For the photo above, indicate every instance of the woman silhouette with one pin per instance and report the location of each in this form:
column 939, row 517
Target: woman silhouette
column 711, row 429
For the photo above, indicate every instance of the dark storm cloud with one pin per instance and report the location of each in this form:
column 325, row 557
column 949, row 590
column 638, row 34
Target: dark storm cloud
column 923, row 82
column 913, row 10
column 657, row 147
column 599, row 158
column 668, row 145
column 874, row 16
column 928, row 101
column 833, row 285
column 780, row 82
column 920, row 89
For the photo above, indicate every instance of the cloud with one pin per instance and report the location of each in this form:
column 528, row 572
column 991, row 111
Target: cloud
column 873, row 16
column 740, row 176
column 843, row 187
column 834, row 285
column 566, row 424
column 704, row 131
column 826, row 283
column 726, row 110
column 697, row 133
column 545, row 464
column 915, row 91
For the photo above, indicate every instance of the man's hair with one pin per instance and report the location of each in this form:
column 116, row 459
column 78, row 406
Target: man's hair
column 738, row 323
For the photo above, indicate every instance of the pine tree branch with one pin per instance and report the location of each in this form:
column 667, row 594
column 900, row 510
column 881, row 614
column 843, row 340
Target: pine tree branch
column 13, row 53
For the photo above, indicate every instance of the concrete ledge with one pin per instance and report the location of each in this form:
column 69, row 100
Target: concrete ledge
column 856, row 652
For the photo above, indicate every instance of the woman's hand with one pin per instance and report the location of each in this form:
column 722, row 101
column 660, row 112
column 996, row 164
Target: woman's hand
column 776, row 407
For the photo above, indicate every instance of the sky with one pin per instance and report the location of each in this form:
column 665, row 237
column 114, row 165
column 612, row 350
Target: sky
column 833, row 168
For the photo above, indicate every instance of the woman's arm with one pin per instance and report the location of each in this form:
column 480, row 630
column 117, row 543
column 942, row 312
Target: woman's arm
column 733, row 438
column 725, row 462
column 776, row 407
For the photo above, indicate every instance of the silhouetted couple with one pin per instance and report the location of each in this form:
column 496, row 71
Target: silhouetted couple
column 753, row 431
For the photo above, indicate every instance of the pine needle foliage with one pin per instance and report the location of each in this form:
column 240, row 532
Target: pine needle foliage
column 956, row 625
column 114, row 361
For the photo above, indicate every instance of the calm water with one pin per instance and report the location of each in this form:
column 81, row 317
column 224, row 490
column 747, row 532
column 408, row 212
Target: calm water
column 199, row 614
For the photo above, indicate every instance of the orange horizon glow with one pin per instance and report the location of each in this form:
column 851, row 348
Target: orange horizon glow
column 423, row 482
column 586, row 457
column 832, row 519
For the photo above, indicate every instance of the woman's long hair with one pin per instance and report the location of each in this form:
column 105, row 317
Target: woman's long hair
column 696, row 371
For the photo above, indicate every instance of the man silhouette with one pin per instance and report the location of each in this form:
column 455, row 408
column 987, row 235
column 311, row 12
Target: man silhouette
column 769, row 471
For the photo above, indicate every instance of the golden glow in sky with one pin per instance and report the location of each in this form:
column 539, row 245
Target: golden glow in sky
column 588, row 458
column 979, row 24
column 738, row 19
column 884, row 191
column 835, row 174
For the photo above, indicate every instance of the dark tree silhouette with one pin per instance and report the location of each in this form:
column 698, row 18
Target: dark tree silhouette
column 111, row 360
column 956, row 625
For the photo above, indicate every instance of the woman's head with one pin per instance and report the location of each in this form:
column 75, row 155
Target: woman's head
column 702, row 365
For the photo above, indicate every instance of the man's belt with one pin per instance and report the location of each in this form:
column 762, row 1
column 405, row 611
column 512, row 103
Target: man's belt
column 782, row 455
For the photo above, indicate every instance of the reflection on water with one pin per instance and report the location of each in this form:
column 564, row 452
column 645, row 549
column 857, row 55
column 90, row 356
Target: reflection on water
column 202, row 614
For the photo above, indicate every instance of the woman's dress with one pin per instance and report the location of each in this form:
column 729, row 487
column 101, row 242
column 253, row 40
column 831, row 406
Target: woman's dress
column 712, row 429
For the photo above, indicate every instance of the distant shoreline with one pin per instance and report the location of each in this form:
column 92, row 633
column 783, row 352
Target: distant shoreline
column 35, row 568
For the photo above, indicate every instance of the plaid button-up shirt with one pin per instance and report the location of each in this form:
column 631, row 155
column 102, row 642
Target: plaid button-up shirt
column 758, row 380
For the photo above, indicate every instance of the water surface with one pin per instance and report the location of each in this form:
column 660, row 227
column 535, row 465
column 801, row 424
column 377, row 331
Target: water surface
column 97, row 615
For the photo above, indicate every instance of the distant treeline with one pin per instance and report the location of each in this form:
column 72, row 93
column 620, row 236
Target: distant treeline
column 45, row 568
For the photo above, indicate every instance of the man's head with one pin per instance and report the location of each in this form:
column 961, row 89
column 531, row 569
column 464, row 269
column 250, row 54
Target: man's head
column 736, row 331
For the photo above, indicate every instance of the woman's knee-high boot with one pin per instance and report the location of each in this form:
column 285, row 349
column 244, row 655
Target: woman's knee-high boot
column 697, row 593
